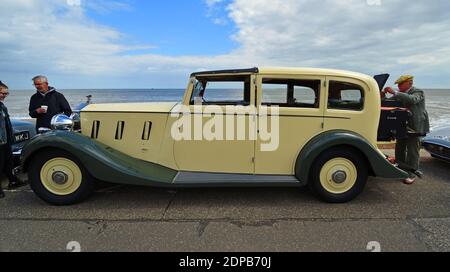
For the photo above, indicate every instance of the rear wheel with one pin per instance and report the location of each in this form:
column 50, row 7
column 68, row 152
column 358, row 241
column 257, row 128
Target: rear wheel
column 58, row 178
column 339, row 175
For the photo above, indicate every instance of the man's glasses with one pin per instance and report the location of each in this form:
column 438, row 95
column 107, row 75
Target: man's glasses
column 5, row 94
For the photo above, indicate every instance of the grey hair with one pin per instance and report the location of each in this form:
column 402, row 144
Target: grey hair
column 40, row 78
column 3, row 85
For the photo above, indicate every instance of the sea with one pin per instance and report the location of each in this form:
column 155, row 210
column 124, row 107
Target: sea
column 437, row 100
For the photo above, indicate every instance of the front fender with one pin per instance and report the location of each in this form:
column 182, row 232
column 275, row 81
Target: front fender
column 380, row 165
column 101, row 161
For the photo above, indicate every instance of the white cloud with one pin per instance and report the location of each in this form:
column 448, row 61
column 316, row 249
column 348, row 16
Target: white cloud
column 395, row 36
column 398, row 36
column 216, row 11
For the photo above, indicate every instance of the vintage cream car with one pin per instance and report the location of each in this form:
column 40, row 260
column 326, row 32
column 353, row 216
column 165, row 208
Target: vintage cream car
column 247, row 127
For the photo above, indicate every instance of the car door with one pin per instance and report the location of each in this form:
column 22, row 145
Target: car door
column 300, row 104
column 352, row 106
column 221, row 138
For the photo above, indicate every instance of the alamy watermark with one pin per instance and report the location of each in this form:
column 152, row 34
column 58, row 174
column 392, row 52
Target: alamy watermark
column 229, row 123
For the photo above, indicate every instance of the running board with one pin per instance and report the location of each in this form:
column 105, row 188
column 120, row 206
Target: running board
column 213, row 179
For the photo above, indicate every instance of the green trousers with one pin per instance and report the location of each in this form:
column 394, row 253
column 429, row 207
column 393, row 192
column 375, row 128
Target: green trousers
column 407, row 152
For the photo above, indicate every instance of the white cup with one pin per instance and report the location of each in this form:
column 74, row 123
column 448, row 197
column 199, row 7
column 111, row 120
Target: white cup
column 44, row 108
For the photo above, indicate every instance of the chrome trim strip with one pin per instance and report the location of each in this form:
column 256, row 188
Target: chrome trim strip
column 214, row 178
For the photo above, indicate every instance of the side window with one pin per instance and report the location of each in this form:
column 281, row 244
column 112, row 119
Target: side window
column 291, row 93
column 345, row 96
column 305, row 95
column 231, row 90
column 274, row 93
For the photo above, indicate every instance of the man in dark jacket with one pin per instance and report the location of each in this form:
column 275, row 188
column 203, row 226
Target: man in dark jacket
column 46, row 103
column 407, row 151
column 6, row 141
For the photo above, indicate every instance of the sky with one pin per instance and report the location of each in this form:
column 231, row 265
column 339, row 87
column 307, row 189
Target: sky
column 120, row 44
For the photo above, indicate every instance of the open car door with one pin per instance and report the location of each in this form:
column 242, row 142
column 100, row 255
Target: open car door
column 394, row 119
column 381, row 80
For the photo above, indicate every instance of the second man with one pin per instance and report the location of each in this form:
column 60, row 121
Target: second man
column 46, row 103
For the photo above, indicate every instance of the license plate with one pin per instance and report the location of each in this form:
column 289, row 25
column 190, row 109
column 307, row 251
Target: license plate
column 21, row 136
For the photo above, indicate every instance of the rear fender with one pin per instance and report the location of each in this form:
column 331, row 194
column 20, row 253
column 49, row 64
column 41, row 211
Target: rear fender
column 377, row 162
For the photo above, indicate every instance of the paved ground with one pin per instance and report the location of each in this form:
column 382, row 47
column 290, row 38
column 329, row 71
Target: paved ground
column 126, row 218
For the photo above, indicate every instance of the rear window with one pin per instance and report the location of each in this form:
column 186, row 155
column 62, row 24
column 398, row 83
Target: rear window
column 345, row 96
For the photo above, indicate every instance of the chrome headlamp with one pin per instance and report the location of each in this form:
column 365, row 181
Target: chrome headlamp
column 62, row 122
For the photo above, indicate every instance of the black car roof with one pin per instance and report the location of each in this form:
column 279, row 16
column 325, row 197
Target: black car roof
column 233, row 71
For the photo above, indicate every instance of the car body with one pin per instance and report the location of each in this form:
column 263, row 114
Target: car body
column 23, row 131
column 437, row 143
column 327, row 137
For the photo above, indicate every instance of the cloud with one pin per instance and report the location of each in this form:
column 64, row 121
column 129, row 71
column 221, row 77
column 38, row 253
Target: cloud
column 105, row 6
column 371, row 36
column 217, row 11
column 351, row 34
column 56, row 34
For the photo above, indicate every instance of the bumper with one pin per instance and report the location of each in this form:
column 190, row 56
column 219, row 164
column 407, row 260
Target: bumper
column 437, row 150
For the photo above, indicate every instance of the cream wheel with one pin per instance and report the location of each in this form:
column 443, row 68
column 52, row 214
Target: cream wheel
column 339, row 174
column 59, row 178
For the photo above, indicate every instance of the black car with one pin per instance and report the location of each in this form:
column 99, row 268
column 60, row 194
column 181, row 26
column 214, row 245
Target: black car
column 437, row 143
column 23, row 131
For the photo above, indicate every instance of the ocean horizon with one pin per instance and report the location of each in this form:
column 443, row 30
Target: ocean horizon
column 437, row 100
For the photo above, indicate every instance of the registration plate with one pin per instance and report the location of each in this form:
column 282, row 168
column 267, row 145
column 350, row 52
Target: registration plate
column 21, row 136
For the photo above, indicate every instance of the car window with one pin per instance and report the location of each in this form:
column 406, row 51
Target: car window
column 306, row 95
column 291, row 93
column 345, row 96
column 233, row 90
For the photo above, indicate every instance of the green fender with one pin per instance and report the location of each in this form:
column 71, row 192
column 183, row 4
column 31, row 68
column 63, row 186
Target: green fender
column 380, row 165
column 102, row 162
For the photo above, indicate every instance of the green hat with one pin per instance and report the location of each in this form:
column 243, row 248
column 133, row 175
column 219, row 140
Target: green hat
column 404, row 79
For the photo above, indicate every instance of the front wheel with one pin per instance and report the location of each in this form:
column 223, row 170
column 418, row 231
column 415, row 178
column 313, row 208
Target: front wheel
column 58, row 178
column 339, row 175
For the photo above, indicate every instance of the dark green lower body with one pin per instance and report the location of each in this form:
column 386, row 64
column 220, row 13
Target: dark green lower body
column 101, row 161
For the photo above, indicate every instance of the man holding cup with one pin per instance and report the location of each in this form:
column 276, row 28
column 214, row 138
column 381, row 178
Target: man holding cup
column 46, row 103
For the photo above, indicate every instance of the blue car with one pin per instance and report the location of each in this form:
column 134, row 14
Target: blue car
column 437, row 143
